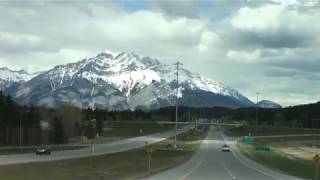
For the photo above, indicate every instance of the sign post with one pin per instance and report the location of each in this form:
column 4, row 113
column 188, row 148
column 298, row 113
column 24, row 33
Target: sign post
column 316, row 172
column 316, row 159
column 150, row 150
column 149, row 167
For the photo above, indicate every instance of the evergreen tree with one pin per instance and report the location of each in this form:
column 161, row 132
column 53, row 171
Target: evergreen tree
column 57, row 135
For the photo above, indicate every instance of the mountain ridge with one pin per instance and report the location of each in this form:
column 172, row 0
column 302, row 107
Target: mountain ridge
column 268, row 104
column 9, row 77
column 120, row 80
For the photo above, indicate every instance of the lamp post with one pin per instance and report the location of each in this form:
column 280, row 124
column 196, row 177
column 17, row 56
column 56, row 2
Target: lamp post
column 257, row 118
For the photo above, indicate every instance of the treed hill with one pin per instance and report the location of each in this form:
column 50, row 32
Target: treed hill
column 43, row 125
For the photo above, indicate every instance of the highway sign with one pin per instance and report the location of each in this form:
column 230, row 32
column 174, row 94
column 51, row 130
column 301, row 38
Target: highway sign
column 316, row 158
column 262, row 148
column 248, row 139
column 150, row 150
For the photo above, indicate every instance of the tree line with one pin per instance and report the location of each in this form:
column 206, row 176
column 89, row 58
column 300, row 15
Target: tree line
column 31, row 125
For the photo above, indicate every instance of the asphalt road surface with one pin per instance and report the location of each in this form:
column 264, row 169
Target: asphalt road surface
column 210, row 163
column 95, row 150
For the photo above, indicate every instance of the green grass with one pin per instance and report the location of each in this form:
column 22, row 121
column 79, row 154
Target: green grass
column 267, row 130
column 274, row 159
column 132, row 129
column 280, row 162
column 26, row 150
column 268, row 141
column 125, row 165
column 122, row 130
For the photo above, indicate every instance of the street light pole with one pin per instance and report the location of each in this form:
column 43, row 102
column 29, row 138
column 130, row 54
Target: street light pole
column 257, row 118
column 177, row 96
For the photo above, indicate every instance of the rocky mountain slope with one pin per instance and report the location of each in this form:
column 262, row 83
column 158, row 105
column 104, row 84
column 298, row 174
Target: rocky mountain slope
column 9, row 77
column 119, row 81
column 268, row 104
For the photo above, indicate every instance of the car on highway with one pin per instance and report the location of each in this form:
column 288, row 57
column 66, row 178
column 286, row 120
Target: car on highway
column 225, row 148
column 43, row 151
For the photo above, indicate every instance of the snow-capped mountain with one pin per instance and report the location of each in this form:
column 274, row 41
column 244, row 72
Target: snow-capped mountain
column 268, row 104
column 119, row 80
column 9, row 77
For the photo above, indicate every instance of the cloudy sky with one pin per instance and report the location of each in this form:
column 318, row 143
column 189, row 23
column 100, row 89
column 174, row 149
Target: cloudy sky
column 266, row 46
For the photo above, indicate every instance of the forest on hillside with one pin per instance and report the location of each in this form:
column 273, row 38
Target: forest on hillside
column 43, row 125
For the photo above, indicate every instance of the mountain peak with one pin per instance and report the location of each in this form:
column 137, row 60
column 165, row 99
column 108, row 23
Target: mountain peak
column 14, row 75
column 112, row 53
column 124, row 80
column 9, row 77
column 268, row 104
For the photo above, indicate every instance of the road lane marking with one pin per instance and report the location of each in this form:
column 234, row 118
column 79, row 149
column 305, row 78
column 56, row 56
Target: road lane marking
column 254, row 168
column 228, row 171
column 250, row 166
column 198, row 165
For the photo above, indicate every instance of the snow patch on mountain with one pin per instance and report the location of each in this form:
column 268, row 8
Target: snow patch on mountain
column 7, row 74
column 120, row 80
column 268, row 104
column 8, row 77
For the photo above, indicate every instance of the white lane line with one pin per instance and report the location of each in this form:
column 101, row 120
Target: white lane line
column 250, row 166
column 198, row 165
column 228, row 171
column 254, row 168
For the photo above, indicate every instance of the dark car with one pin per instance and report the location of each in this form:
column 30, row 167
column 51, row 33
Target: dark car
column 43, row 151
column 225, row 148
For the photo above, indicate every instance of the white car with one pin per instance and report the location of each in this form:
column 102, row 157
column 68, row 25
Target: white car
column 43, row 151
column 225, row 148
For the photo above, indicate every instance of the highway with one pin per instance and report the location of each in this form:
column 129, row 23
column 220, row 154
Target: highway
column 211, row 163
column 98, row 149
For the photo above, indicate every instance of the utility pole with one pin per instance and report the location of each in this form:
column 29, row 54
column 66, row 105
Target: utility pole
column 177, row 97
column 257, row 115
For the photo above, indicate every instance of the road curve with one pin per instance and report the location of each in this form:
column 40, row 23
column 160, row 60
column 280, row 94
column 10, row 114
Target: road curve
column 210, row 162
column 99, row 149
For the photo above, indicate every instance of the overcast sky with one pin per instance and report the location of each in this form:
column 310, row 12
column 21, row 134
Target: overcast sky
column 266, row 46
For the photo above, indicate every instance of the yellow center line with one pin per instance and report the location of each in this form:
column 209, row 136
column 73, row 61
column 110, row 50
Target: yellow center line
column 197, row 166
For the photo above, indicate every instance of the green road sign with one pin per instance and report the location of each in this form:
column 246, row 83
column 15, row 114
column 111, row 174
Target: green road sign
column 262, row 148
column 247, row 139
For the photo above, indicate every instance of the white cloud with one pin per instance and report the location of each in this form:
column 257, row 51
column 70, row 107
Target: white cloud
column 275, row 18
column 208, row 40
column 244, row 56
column 241, row 48
column 308, row 3
column 260, row 19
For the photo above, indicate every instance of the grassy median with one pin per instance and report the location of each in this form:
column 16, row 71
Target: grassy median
column 278, row 158
column 26, row 150
column 117, row 130
column 280, row 161
column 126, row 165
column 132, row 129
column 266, row 130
